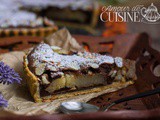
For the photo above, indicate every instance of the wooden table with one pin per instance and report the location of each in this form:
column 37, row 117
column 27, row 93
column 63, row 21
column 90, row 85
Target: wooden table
column 132, row 46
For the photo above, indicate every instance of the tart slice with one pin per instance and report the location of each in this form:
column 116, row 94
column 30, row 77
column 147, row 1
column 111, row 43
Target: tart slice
column 53, row 73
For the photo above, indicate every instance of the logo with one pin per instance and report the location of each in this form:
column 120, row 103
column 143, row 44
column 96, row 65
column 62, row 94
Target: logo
column 139, row 13
column 150, row 14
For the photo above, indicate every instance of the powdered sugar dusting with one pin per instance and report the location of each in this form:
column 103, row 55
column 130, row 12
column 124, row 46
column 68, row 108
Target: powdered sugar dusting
column 118, row 61
column 44, row 54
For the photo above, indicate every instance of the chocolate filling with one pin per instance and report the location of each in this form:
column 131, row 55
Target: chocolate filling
column 44, row 93
column 103, row 69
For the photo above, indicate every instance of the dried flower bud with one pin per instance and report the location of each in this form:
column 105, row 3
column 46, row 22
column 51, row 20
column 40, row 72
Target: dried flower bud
column 8, row 75
column 3, row 102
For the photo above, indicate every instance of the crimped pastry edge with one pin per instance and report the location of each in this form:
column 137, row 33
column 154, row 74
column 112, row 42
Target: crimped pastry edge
column 35, row 31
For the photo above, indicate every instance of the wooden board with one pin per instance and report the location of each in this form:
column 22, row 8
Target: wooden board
column 133, row 46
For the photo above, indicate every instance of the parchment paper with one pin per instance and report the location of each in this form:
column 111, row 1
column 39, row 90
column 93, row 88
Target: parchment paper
column 18, row 96
column 63, row 39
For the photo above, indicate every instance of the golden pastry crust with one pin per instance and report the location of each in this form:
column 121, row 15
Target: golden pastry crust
column 33, row 31
column 110, row 88
column 32, row 82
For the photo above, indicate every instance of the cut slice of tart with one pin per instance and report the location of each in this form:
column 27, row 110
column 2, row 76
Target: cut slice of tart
column 53, row 73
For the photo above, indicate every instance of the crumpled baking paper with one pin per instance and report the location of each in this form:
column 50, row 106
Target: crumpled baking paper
column 18, row 96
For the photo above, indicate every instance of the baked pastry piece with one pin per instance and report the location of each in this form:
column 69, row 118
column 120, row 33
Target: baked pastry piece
column 54, row 73
column 81, row 14
column 17, row 22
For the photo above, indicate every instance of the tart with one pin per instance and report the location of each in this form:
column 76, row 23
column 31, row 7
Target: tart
column 54, row 73
column 82, row 14
column 16, row 22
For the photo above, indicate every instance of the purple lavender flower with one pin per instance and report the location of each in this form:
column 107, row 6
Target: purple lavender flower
column 3, row 102
column 8, row 75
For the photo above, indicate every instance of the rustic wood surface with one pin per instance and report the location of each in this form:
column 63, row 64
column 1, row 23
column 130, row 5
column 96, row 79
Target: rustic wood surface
column 135, row 46
column 102, row 45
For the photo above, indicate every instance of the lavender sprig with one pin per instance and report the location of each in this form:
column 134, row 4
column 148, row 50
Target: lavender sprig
column 8, row 75
column 3, row 102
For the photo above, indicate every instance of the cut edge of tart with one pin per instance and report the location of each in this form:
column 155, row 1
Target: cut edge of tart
column 48, row 79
